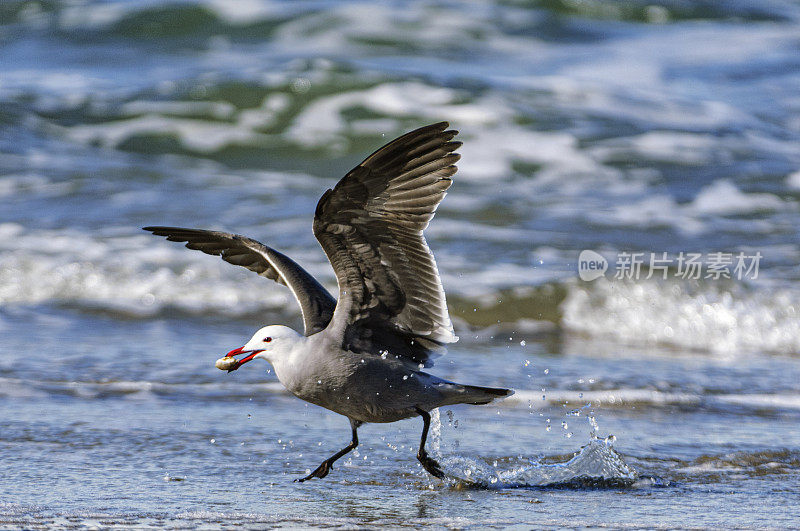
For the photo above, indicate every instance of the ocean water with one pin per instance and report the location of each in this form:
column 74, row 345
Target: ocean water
column 646, row 398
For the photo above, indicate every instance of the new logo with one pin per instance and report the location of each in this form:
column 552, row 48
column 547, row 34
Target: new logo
column 591, row 265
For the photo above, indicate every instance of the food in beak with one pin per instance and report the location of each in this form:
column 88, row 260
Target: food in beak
column 227, row 364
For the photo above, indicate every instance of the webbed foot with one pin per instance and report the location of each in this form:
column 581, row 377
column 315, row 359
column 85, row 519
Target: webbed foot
column 430, row 464
column 320, row 472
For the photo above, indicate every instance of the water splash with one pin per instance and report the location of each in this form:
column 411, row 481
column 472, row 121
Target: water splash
column 595, row 465
column 435, row 443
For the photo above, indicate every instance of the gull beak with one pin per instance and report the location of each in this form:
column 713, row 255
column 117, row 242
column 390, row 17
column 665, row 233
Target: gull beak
column 241, row 361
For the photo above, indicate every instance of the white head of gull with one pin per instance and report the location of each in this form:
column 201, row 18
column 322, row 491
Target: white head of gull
column 361, row 356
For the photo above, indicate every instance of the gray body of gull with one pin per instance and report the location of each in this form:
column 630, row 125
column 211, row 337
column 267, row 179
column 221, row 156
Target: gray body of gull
column 362, row 356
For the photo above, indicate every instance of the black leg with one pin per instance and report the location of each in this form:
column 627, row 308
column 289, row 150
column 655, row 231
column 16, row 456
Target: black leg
column 323, row 469
column 428, row 463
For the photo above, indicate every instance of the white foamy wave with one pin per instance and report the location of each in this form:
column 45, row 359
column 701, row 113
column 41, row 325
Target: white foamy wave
column 728, row 321
column 609, row 398
column 492, row 143
column 793, row 180
column 72, row 86
column 349, row 28
column 720, row 198
column 657, row 210
column 16, row 388
column 322, row 121
column 20, row 185
column 217, row 109
column 92, row 16
column 128, row 274
column 139, row 275
column 245, row 11
column 196, row 135
column 724, row 198
column 626, row 398
column 630, row 77
column 674, row 147
column 241, row 12
column 678, row 147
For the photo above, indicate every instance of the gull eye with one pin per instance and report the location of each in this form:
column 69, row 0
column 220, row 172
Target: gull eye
column 267, row 339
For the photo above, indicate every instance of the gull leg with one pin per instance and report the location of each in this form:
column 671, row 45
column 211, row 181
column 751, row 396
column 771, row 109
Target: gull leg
column 428, row 463
column 323, row 469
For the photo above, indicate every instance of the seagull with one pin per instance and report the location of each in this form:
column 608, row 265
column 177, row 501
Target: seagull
column 362, row 356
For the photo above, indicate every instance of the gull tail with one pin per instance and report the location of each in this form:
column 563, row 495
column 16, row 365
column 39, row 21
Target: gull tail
column 484, row 395
column 473, row 394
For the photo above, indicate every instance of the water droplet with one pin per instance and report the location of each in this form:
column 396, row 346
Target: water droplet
column 405, row 377
column 593, row 423
column 522, row 343
column 547, row 371
column 212, row 441
column 527, row 362
column 319, row 382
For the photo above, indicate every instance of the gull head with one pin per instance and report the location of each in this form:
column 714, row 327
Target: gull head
column 270, row 343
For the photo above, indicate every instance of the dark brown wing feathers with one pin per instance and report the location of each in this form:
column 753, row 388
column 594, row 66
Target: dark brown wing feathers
column 316, row 303
column 370, row 226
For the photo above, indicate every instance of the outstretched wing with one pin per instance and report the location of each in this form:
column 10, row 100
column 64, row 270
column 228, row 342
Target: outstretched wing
column 316, row 303
column 370, row 226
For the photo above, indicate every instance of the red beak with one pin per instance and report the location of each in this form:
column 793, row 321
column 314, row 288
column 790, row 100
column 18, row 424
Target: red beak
column 235, row 352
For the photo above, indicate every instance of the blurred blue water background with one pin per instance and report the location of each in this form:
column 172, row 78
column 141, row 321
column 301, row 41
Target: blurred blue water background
column 640, row 127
